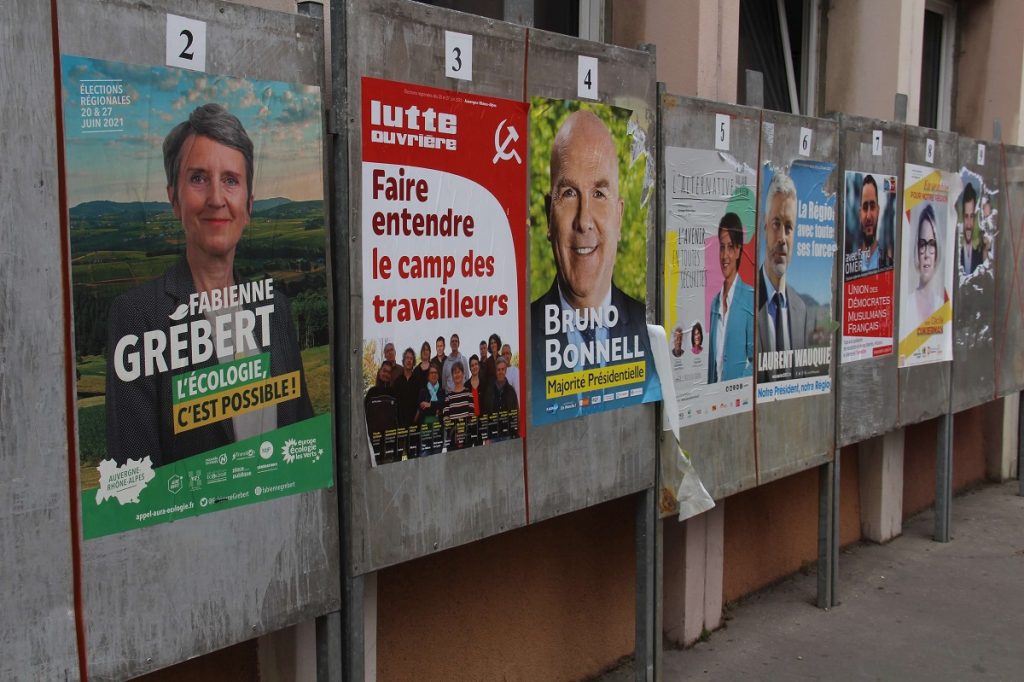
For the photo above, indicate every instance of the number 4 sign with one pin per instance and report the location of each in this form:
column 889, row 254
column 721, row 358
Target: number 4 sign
column 186, row 43
column 586, row 77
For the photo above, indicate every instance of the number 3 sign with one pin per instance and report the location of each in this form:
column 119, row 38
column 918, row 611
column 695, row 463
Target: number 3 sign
column 186, row 43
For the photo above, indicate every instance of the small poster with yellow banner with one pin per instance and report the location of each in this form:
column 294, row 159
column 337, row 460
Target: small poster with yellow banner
column 926, row 301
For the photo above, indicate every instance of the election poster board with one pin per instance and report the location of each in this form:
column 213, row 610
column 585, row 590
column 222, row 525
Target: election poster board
column 929, row 243
column 868, row 265
column 200, row 301
column 974, row 301
column 443, row 225
column 796, row 248
column 976, row 230
column 709, row 274
column 590, row 350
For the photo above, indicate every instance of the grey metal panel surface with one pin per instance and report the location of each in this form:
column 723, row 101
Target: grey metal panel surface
column 1009, row 344
column 162, row 594
column 866, row 399
column 974, row 302
column 584, row 461
column 797, row 434
column 924, row 389
column 408, row 509
column 37, row 625
column 722, row 450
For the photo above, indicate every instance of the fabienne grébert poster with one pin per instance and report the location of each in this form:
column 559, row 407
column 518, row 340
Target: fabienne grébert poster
column 589, row 198
column 797, row 246
column 200, row 306
column 929, row 252
column 709, row 276
column 443, row 252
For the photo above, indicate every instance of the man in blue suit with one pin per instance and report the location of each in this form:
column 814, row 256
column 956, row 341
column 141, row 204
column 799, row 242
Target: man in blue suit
column 732, row 310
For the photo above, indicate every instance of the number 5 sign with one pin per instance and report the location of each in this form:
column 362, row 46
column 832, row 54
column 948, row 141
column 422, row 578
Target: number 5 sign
column 186, row 43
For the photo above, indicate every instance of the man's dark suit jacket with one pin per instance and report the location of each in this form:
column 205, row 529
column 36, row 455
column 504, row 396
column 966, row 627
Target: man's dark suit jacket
column 799, row 328
column 632, row 321
column 976, row 258
column 139, row 412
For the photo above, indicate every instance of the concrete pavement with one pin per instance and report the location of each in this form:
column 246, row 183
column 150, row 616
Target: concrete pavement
column 912, row 609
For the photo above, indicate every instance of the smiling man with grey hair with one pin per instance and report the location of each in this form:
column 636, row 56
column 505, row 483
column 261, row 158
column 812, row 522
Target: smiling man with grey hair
column 782, row 322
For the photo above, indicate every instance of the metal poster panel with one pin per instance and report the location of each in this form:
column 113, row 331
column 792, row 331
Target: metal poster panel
column 444, row 215
column 1009, row 322
column 796, row 271
column 200, row 294
column 868, row 264
column 438, row 149
column 37, row 606
column 715, row 407
column 977, row 236
column 867, row 393
column 924, row 387
column 797, row 248
column 929, row 255
column 258, row 567
column 588, row 261
column 589, row 247
column 709, row 272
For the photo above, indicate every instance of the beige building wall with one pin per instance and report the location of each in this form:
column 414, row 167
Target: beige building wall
column 696, row 42
column 989, row 69
column 862, row 65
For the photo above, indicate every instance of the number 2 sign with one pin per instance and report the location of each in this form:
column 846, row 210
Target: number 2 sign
column 186, row 43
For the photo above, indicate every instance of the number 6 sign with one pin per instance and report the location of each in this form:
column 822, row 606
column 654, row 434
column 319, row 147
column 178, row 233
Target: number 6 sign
column 186, row 43
column 805, row 142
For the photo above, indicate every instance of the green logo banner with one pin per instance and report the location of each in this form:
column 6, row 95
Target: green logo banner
column 293, row 459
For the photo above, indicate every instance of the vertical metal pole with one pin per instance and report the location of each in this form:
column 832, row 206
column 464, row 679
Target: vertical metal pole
column 1020, row 445
column 900, row 105
column 645, row 639
column 310, row 8
column 351, row 635
column 826, row 493
column 328, row 647
column 659, row 230
column 754, row 92
column 944, row 478
column 517, row 12
column 837, row 468
column 648, row 639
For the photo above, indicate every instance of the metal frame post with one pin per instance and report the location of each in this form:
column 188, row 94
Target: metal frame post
column 944, row 479
column 517, row 12
column 647, row 652
column 344, row 630
column 646, row 638
column 1020, row 445
column 328, row 647
column 828, row 533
